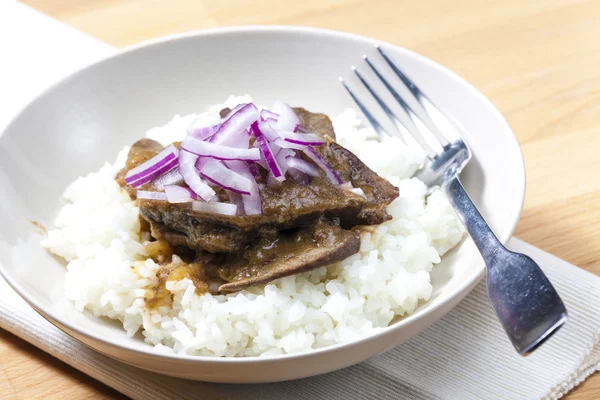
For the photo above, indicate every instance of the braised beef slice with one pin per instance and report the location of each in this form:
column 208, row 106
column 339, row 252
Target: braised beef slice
column 288, row 253
column 379, row 192
column 178, row 226
column 284, row 207
column 315, row 122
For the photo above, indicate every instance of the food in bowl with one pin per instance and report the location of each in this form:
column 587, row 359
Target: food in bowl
column 246, row 231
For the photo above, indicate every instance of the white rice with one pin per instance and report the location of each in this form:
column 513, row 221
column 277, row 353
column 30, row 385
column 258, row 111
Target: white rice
column 97, row 232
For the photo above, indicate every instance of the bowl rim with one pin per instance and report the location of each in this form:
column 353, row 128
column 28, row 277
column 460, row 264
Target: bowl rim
column 299, row 30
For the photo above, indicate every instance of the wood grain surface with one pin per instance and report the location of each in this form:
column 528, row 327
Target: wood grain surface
column 537, row 60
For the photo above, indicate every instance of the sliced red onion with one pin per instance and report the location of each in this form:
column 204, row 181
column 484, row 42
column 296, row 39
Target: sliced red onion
column 220, row 175
column 205, row 133
column 239, row 167
column 187, row 169
column 148, row 178
column 200, row 163
column 253, row 170
column 252, row 203
column 302, row 165
column 239, row 140
column 239, row 121
column 234, row 110
column 269, row 129
column 305, row 139
column 207, row 149
column 317, row 159
column 288, row 120
column 215, row 207
column 288, row 145
column 299, row 177
column 266, row 114
column 170, row 178
column 150, row 169
column 301, row 129
column 359, row 192
column 204, row 126
column 281, row 158
column 179, row 194
column 266, row 151
column 146, row 195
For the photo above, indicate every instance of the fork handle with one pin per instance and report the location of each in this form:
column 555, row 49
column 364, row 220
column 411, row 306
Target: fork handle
column 478, row 229
column 526, row 303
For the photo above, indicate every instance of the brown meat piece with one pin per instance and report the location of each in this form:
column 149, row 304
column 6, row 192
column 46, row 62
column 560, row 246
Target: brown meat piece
column 379, row 192
column 223, row 113
column 290, row 253
column 274, row 256
column 197, row 235
column 284, row 207
column 315, row 122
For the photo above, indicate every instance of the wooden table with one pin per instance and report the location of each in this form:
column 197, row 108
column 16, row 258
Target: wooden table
column 537, row 60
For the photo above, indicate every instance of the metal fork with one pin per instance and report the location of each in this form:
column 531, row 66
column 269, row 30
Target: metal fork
column 528, row 307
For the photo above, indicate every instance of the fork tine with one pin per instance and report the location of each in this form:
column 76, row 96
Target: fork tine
column 378, row 128
column 419, row 124
column 406, row 135
column 440, row 123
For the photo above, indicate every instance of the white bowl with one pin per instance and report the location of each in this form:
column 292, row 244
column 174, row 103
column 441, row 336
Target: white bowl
column 81, row 122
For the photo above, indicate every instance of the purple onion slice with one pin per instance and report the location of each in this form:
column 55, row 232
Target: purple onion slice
column 146, row 195
column 252, row 203
column 305, row 139
column 215, row 207
column 191, row 176
column 152, row 168
column 179, row 194
column 239, row 121
column 288, row 120
column 220, row 152
column 172, row 177
column 302, row 165
column 217, row 173
column 266, row 150
column 332, row 176
column 266, row 114
column 204, row 126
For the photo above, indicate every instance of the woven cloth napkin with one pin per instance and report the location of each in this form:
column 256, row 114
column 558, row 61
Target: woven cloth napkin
column 463, row 356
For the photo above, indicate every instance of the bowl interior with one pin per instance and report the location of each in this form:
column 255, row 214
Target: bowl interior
column 77, row 125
